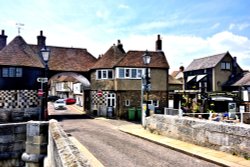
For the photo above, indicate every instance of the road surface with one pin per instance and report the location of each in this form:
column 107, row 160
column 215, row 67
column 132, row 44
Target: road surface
column 114, row 148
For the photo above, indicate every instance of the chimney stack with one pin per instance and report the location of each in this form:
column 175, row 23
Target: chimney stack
column 120, row 46
column 158, row 43
column 3, row 40
column 181, row 69
column 41, row 40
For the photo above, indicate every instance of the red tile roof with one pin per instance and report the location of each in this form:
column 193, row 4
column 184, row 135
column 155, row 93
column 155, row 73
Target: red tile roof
column 19, row 53
column 69, row 59
column 110, row 58
column 134, row 59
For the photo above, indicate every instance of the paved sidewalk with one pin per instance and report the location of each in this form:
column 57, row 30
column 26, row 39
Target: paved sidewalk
column 218, row 157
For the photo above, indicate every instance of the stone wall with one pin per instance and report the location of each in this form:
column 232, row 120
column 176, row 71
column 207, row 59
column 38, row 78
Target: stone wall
column 231, row 138
column 12, row 144
column 19, row 115
column 61, row 151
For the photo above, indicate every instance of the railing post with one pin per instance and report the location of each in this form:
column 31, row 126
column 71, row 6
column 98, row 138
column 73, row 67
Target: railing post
column 36, row 143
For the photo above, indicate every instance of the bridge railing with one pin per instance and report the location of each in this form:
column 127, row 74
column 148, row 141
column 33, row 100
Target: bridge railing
column 238, row 117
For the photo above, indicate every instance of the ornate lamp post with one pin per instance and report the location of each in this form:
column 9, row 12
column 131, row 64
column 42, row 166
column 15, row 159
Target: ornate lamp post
column 45, row 52
column 147, row 85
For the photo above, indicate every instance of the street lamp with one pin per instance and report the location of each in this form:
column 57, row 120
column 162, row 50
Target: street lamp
column 146, row 60
column 45, row 52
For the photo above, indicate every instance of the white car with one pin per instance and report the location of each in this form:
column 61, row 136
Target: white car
column 60, row 104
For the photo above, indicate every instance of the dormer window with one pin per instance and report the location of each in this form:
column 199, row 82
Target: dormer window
column 225, row 66
column 104, row 74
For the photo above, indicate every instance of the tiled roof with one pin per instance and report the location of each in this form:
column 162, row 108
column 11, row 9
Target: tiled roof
column 69, row 59
column 110, row 58
column 175, row 73
column 205, row 62
column 244, row 81
column 19, row 53
column 172, row 80
column 134, row 59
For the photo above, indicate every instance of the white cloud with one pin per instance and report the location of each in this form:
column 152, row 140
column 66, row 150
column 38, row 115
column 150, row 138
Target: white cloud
column 181, row 50
column 216, row 25
column 239, row 27
column 123, row 6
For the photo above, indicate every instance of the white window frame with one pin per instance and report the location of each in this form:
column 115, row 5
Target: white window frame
column 138, row 73
column 103, row 76
column 152, row 102
column 111, row 98
column 127, row 103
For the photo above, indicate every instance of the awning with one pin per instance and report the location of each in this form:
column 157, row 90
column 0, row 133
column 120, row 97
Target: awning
column 189, row 78
column 221, row 98
column 200, row 77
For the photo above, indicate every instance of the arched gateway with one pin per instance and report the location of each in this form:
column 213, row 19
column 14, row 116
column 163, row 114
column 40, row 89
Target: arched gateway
column 21, row 65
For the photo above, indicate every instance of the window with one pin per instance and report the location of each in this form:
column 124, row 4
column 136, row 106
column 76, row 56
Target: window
column 99, row 74
column 225, row 65
column 134, row 73
column 110, row 74
column 130, row 73
column 154, row 102
column 127, row 73
column 121, row 73
column 127, row 103
column 111, row 100
column 19, row 72
column 139, row 73
column 12, row 72
column 5, row 72
column 104, row 74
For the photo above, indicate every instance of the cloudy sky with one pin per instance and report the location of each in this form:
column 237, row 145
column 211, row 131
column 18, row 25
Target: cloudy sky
column 189, row 28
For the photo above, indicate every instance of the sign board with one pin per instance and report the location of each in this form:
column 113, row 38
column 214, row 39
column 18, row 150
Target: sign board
column 40, row 92
column 99, row 93
column 43, row 80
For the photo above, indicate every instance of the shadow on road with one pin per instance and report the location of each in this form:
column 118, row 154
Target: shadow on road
column 67, row 116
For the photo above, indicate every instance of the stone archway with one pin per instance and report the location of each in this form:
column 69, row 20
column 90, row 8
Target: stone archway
column 72, row 84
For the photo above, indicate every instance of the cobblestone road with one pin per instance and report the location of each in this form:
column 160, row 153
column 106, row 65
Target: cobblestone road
column 114, row 148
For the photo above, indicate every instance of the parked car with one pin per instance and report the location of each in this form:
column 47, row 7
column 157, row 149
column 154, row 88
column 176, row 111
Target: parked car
column 60, row 104
column 70, row 101
column 53, row 98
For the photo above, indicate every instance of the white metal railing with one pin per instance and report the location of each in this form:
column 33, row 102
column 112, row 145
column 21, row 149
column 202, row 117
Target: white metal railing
column 179, row 112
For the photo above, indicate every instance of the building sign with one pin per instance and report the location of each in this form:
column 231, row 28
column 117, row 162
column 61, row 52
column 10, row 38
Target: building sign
column 42, row 80
column 226, row 94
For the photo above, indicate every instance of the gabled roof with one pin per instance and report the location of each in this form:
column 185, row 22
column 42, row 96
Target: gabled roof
column 175, row 73
column 172, row 80
column 19, row 53
column 110, row 58
column 244, row 80
column 68, row 59
column 134, row 59
column 206, row 62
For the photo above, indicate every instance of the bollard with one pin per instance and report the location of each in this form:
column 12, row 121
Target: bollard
column 36, row 143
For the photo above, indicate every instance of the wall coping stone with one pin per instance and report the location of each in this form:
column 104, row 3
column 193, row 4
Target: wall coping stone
column 68, row 153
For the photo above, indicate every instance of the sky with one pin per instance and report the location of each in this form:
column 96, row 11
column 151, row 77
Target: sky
column 189, row 29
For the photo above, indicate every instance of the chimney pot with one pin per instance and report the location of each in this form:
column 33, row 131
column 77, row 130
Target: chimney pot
column 120, row 46
column 41, row 40
column 3, row 40
column 158, row 43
